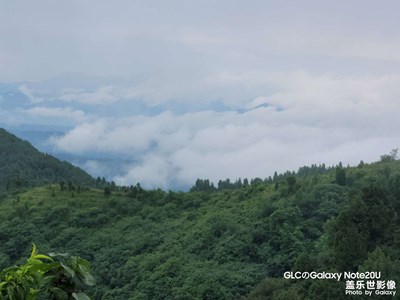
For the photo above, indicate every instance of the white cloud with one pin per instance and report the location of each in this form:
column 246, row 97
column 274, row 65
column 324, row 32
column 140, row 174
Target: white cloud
column 325, row 119
column 168, row 38
column 126, row 135
column 58, row 112
column 257, row 102
column 102, row 96
column 202, row 40
column 82, row 138
column 339, row 43
column 153, row 171
column 239, row 90
column 30, row 94
column 249, row 90
column 372, row 49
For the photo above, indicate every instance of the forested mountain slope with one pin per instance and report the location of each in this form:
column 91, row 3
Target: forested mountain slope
column 21, row 166
column 219, row 244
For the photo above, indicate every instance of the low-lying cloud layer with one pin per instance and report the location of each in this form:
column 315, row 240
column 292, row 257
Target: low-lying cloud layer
column 308, row 119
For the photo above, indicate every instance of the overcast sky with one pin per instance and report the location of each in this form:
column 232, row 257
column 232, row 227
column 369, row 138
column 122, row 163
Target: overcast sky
column 209, row 89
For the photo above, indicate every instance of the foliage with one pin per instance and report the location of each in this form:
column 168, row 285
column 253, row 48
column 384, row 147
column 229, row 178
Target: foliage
column 22, row 166
column 232, row 241
column 340, row 176
column 44, row 277
column 390, row 157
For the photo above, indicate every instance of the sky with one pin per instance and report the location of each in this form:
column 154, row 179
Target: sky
column 205, row 89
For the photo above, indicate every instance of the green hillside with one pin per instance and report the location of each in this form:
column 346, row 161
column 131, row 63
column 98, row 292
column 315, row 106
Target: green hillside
column 23, row 166
column 218, row 244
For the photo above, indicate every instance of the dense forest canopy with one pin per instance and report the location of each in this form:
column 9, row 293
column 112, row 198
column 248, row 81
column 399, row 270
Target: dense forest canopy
column 234, row 240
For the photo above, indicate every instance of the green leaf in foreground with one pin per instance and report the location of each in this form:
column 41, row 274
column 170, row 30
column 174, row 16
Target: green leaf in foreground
column 42, row 276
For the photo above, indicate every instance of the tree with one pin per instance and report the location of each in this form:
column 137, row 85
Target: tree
column 275, row 178
column 291, row 181
column 71, row 186
column 379, row 214
column 392, row 156
column 378, row 260
column 256, row 181
column 340, row 176
column 348, row 235
column 107, row 191
column 62, row 185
